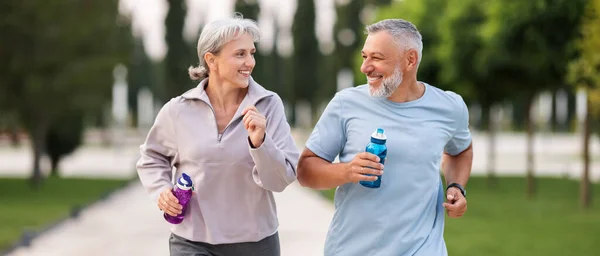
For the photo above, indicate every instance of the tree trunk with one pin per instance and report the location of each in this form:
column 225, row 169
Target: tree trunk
column 530, row 124
column 38, row 140
column 54, row 160
column 14, row 137
column 585, row 193
column 491, row 162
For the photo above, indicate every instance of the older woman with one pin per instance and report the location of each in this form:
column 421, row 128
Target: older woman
column 231, row 136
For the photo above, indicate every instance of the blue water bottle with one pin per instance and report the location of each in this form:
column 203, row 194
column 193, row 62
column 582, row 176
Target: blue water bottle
column 376, row 147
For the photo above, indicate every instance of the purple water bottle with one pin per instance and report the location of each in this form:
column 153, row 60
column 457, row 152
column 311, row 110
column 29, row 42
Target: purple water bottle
column 183, row 192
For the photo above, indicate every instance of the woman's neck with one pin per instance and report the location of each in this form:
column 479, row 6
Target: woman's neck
column 223, row 95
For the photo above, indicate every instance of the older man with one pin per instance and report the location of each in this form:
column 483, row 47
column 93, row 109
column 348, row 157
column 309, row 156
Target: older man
column 425, row 127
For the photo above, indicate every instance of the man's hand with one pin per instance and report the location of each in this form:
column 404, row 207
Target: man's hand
column 358, row 167
column 456, row 206
column 256, row 125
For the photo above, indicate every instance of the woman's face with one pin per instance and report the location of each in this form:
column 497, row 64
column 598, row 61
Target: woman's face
column 234, row 63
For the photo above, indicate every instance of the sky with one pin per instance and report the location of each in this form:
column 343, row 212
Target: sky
column 148, row 21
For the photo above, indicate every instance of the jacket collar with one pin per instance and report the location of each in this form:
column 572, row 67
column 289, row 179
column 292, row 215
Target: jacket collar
column 255, row 93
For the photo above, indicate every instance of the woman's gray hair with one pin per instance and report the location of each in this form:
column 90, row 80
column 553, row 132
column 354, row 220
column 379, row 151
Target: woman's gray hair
column 216, row 34
column 404, row 33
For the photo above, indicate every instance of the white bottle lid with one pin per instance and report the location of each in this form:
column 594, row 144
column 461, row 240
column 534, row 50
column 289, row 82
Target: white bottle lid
column 379, row 134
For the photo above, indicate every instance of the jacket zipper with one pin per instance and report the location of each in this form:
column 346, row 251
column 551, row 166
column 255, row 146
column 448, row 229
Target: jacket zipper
column 220, row 135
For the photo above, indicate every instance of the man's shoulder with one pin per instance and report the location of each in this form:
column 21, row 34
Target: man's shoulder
column 445, row 97
column 356, row 91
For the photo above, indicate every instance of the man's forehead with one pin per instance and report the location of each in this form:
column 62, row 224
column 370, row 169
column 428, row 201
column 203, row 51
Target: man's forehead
column 379, row 43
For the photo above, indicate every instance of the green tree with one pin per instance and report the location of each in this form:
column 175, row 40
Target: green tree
column 584, row 72
column 526, row 39
column 349, row 32
column 460, row 52
column 248, row 8
column 141, row 74
column 306, row 56
column 63, row 137
column 58, row 62
column 179, row 54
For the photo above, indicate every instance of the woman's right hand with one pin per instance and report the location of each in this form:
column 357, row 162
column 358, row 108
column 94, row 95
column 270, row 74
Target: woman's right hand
column 168, row 203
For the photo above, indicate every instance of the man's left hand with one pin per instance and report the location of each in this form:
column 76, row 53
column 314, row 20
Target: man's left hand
column 456, row 206
column 256, row 125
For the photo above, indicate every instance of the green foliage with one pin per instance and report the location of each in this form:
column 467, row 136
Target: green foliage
column 141, row 75
column 459, row 45
column 57, row 63
column 248, row 8
column 347, row 21
column 585, row 70
column 64, row 136
column 306, row 54
column 56, row 59
column 180, row 55
column 525, row 39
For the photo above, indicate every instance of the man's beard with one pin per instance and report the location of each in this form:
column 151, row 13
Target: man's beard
column 388, row 85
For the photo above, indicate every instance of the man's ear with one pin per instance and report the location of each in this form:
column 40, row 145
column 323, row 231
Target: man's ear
column 412, row 57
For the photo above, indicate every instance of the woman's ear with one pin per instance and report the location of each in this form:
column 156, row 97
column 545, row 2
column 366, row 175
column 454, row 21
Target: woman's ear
column 211, row 60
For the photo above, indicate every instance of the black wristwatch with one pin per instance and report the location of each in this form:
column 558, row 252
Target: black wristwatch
column 456, row 185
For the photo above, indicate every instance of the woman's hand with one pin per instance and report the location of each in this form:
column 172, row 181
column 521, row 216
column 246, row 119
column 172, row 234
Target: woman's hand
column 256, row 125
column 168, row 203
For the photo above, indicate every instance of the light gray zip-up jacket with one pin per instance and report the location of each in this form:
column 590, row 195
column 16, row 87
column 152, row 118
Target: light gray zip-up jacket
column 233, row 199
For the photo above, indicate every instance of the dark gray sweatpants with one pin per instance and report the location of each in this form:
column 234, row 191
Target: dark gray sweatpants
column 268, row 246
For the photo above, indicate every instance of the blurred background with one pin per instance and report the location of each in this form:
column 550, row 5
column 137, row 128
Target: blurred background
column 81, row 82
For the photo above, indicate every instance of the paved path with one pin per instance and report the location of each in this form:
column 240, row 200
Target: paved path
column 127, row 223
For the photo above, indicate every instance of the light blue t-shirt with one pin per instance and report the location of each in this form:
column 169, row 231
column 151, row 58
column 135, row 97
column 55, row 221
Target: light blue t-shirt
column 405, row 215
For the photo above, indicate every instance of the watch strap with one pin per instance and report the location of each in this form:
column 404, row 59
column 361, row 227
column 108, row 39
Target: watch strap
column 461, row 188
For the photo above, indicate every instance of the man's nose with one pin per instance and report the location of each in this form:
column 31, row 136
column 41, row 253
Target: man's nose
column 366, row 67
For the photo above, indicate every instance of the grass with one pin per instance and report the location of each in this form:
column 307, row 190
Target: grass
column 501, row 221
column 26, row 209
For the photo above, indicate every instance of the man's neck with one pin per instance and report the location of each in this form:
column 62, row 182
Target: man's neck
column 408, row 90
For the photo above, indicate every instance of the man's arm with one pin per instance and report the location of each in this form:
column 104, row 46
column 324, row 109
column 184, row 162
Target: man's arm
column 318, row 173
column 457, row 169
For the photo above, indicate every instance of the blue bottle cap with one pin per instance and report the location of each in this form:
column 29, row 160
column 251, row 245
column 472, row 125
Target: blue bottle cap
column 185, row 182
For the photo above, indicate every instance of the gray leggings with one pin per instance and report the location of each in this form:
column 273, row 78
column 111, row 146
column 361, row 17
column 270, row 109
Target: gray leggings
column 269, row 246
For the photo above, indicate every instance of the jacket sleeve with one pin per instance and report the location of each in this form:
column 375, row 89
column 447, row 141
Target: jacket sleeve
column 158, row 153
column 276, row 159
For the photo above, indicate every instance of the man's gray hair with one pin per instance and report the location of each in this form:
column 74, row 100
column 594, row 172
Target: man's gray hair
column 216, row 34
column 404, row 33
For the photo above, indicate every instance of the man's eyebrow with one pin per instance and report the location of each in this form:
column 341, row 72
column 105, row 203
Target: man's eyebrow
column 373, row 53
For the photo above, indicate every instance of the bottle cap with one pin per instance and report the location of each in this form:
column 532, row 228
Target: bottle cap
column 185, row 182
column 378, row 134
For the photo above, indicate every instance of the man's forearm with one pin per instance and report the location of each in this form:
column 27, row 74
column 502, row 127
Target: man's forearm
column 315, row 172
column 457, row 169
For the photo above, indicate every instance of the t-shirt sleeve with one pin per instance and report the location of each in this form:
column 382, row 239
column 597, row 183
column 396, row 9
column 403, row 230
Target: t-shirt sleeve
column 461, row 139
column 329, row 136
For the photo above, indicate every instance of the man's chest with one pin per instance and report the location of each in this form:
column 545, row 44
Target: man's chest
column 409, row 140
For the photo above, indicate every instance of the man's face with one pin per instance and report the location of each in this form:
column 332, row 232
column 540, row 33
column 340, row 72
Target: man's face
column 381, row 63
